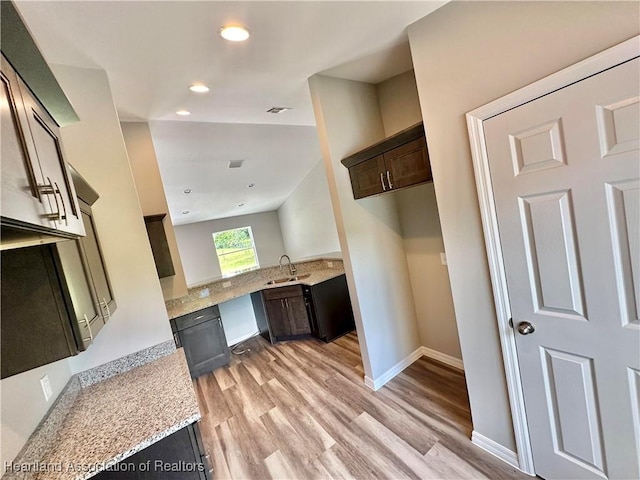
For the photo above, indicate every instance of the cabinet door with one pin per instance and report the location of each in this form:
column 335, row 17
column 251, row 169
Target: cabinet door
column 20, row 199
column 278, row 318
column 48, row 150
column 368, row 178
column 96, row 266
column 408, row 164
column 179, row 448
column 87, row 315
column 34, row 320
column 205, row 347
column 297, row 313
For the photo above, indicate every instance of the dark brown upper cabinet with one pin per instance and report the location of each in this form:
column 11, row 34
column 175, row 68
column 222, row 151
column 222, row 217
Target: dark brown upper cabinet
column 159, row 245
column 396, row 162
column 37, row 193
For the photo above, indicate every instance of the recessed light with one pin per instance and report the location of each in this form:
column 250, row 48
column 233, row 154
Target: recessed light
column 187, row 190
column 241, row 204
column 185, row 212
column 251, row 185
column 234, row 33
column 183, row 113
column 198, row 88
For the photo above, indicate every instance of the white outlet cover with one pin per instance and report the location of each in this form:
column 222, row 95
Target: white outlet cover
column 46, row 387
column 329, row 264
column 226, row 284
column 443, row 258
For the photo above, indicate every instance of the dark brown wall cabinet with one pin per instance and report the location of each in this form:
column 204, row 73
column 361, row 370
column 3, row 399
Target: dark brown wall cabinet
column 281, row 313
column 397, row 162
column 183, row 449
column 37, row 193
column 55, row 298
column 159, row 245
column 201, row 334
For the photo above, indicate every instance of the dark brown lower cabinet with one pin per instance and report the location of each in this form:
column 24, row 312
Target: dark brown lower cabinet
column 201, row 334
column 180, row 456
column 281, row 313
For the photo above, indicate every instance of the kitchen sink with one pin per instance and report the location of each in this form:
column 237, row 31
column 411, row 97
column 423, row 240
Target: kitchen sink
column 288, row 279
column 279, row 280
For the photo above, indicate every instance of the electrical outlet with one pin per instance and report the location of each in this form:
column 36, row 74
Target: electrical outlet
column 204, row 292
column 226, row 284
column 329, row 264
column 46, row 387
column 443, row 258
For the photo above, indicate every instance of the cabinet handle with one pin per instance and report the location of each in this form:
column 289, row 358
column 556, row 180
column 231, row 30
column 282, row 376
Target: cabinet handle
column 384, row 187
column 86, row 321
column 389, row 180
column 64, row 207
column 286, row 302
column 220, row 322
column 199, row 317
column 106, row 307
column 49, row 189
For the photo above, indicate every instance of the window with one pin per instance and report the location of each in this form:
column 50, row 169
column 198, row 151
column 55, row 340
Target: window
column 236, row 251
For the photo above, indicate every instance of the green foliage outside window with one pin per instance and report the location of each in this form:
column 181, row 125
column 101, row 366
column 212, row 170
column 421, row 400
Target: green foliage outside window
column 235, row 250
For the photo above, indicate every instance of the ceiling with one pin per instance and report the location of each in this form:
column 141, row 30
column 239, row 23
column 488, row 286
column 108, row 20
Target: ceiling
column 153, row 50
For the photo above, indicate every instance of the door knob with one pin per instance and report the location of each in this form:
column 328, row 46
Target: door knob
column 525, row 328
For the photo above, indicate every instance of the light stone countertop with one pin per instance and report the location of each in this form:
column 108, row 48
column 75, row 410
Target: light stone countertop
column 113, row 419
column 215, row 293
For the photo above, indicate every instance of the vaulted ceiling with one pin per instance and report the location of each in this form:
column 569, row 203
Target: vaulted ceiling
column 153, row 50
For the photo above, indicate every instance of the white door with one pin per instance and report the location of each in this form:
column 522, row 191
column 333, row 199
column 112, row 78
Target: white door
column 565, row 172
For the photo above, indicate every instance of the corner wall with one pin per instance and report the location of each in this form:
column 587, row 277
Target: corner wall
column 418, row 212
column 465, row 55
column 148, row 182
column 306, row 218
column 348, row 119
column 95, row 147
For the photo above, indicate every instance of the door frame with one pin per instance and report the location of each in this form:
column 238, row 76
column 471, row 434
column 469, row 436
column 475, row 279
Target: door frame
column 609, row 58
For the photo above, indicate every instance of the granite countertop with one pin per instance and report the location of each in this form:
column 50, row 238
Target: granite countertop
column 215, row 293
column 113, row 419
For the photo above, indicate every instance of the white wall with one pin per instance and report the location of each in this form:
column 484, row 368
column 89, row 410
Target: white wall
column 306, row 218
column 348, row 119
column 148, row 182
column 238, row 319
column 95, row 147
column 23, row 405
column 195, row 242
column 466, row 54
column 418, row 211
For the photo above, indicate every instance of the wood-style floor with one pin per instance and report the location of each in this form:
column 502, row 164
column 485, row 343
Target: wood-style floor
column 300, row 410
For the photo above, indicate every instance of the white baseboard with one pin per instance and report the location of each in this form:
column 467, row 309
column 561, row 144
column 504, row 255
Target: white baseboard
column 495, row 449
column 241, row 339
column 375, row 384
column 443, row 358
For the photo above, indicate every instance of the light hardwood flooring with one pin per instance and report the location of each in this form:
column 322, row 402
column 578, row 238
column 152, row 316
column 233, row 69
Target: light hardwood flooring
column 300, row 410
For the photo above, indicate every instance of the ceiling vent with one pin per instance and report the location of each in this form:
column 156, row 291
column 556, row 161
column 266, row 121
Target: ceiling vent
column 278, row 109
column 235, row 163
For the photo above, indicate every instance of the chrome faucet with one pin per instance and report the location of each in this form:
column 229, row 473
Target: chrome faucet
column 292, row 267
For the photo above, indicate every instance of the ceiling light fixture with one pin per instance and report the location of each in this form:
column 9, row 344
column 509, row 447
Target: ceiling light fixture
column 234, row 33
column 241, row 204
column 185, row 212
column 187, row 190
column 198, row 88
column 183, row 113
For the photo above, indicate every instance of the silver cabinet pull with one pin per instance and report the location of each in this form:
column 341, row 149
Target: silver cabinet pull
column 49, row 189
column 286, row 302
column 389, row 180
column 88, row 324
column 199, row 317
column 64, row 208
column 106, row 304
column 384, row 187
